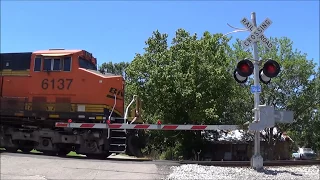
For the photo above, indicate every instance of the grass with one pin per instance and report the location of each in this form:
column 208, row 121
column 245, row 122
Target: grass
column 72, row 153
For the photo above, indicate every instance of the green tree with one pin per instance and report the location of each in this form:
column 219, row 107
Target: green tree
column 185, row 83
column 305, row 131
column 114, row 68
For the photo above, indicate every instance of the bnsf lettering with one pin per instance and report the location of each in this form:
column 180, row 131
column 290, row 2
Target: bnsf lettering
column 116, row 91
column 59, row 84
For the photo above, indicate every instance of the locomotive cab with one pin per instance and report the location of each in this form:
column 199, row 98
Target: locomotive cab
column 67, row 84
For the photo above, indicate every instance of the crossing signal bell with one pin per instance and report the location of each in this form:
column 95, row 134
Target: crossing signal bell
column 244, row 69
column 270, row 69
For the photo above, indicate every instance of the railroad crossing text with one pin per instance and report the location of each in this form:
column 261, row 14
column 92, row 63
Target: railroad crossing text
column 257, row 33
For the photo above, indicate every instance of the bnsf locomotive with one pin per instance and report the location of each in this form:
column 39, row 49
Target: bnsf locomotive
column 41, row 88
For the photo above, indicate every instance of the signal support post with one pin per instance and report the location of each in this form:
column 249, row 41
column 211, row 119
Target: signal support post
column 264, row 116
column 255, row 36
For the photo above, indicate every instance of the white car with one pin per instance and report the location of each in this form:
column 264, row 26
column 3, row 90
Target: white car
column 304, row 154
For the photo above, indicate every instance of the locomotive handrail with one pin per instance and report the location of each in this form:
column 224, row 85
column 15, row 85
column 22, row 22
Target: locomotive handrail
column 109, row 118
column 127, row 109
column 114, row 105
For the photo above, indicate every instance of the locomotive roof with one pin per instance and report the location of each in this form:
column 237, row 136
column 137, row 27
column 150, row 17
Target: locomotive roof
column 50, row 51
column 57, row 51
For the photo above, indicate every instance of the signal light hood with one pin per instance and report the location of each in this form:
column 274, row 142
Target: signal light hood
column 263, row 78
column 238, row 78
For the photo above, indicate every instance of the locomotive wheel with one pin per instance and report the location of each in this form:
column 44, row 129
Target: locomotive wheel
column 50, row 153
column 142, row 141
column 11, row 149
column 128, row 152
column 63, row 152
column 133, row 146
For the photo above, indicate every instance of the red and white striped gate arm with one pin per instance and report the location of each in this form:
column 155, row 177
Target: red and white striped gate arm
column 147, row 126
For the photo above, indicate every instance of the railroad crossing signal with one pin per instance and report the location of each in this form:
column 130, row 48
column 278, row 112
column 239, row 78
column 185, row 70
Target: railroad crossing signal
column 243, row 70
column 270, row 69
column 256, row 33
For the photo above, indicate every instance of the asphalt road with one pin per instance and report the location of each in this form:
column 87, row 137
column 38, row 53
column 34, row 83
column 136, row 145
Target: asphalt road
column 33, row 166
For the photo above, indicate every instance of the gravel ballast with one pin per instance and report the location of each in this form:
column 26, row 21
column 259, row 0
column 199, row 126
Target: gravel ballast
column 192, row 171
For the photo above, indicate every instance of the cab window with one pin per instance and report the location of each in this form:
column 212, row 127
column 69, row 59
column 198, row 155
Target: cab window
column 47, row 64
column 67, row 64
column 57, row 64
column 86, row 64
column 37, row 64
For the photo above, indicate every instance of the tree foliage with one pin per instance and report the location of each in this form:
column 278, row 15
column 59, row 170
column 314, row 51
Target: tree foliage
column 114, row 68
column 185, row 83
column 190, row 81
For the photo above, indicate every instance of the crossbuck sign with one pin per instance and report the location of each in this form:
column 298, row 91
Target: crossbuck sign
column 257, row 33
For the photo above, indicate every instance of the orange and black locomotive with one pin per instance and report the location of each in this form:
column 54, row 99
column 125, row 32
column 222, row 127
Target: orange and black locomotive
column 39, row 88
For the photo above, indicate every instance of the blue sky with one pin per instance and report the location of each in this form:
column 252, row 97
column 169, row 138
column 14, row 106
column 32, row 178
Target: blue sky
column 115, row 31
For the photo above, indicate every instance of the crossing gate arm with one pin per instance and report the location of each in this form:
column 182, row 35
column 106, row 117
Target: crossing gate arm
column 147, row 126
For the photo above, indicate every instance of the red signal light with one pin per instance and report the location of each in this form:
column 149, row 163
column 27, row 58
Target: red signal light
column 159, row 122
column 69, row 120
column 243, row 70
column 270, row 69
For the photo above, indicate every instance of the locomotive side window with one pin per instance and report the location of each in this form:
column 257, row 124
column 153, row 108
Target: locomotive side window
column 67, row 64
column 83, row 63
column 37, row 64
column 56, row 64
column 47, row 65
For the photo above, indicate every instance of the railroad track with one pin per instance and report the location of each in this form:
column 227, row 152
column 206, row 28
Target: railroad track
column 247, row 163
